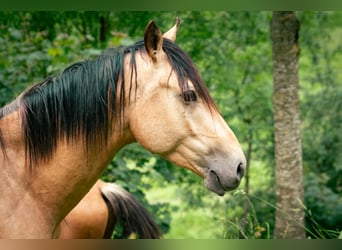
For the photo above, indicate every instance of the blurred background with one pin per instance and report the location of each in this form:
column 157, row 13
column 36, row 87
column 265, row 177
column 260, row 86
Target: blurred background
column 233, row 52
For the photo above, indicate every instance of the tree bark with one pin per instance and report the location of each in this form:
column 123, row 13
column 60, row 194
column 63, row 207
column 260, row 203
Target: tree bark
column 290, row 212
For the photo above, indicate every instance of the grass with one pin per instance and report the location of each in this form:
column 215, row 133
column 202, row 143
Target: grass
column 254, row 229
column 187, row 222
column 225, row 220
column 223, row 217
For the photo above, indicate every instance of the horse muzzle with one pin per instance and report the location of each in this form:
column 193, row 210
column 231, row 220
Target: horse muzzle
column 219, row 181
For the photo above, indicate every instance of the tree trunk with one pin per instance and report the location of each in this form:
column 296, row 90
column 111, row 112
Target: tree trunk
column 103, row 27
column 290, row 212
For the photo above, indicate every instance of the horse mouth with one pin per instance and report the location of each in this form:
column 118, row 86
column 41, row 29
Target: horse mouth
column 213, row 183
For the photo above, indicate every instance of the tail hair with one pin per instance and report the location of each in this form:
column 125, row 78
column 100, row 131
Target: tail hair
column 132, row 216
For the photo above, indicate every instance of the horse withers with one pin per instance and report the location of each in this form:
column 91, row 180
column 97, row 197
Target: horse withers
column 58, row 136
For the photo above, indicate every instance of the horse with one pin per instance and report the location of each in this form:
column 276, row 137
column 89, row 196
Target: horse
column 58, row 136
column 105, row 205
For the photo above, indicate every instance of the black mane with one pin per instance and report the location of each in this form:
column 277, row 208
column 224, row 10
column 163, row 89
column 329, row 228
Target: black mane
column 80, row 102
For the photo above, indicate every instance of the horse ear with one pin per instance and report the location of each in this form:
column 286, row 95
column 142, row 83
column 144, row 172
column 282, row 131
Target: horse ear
column 172, row 33
column 153, row 40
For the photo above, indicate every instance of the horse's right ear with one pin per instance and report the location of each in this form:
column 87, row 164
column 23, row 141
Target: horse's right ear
column 153, row 39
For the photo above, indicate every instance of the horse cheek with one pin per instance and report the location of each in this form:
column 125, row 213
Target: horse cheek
column 158, row 130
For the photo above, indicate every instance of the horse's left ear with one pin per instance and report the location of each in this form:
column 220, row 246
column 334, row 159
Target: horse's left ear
column 153, row 40
column 172, row 33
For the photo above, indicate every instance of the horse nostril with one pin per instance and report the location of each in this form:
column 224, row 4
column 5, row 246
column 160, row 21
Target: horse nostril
column 240, row 171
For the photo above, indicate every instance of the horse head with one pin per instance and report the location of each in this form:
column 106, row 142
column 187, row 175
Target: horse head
column 174, row 116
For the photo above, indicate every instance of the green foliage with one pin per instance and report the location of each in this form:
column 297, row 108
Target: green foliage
column 233, row 53
column 22, row 59
column 248, row 227
column 321, row 83
column 129, row 169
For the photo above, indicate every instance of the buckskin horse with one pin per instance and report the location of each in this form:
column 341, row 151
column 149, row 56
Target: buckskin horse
column 101, row 209
column 57, row 137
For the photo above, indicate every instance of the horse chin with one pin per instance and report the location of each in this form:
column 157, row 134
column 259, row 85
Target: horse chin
column 212, row 183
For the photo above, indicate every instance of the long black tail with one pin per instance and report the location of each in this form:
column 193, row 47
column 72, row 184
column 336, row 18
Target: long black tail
column 126, row 210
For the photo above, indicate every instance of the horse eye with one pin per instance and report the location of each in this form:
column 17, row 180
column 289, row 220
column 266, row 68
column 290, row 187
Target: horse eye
column 189, row 96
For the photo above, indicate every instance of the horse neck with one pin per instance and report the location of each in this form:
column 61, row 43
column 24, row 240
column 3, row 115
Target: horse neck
column 71, row 173
column 46, row 193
